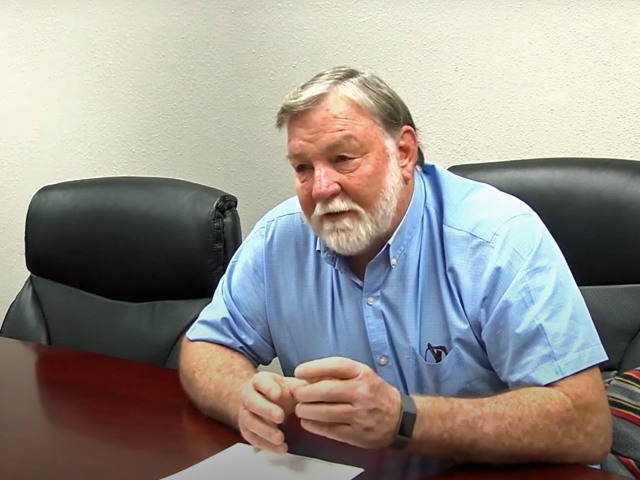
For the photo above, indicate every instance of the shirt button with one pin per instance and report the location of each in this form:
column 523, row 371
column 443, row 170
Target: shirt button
column 383, row 360
column 393, row 262
column 370, row 301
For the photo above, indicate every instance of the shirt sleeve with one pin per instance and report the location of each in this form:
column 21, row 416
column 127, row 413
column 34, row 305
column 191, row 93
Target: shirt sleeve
column 236, row 316
column 534, row 322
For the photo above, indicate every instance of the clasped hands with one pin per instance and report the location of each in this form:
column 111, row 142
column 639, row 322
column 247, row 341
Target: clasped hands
column 335, row 397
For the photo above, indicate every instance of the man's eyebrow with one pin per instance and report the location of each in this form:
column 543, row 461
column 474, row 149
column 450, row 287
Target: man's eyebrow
column 344, row 141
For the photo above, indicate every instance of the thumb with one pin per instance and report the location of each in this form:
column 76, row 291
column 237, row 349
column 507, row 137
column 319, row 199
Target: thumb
column 278, row 388
column 268, row 384
column 283, row 386
column 292, row 383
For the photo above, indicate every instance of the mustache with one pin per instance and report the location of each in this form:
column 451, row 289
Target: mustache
column 336, row 205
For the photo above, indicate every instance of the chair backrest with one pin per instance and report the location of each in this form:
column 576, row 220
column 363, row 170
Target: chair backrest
column 122, row 265
column 591, row 206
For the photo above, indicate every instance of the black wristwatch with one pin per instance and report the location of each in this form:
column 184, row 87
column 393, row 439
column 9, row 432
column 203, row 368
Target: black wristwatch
column 407, row 422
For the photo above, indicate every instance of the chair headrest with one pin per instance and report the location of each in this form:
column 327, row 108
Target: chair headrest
column 134, row 239
column 591, row 207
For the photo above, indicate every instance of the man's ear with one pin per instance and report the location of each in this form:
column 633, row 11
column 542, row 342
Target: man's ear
column 407, row 150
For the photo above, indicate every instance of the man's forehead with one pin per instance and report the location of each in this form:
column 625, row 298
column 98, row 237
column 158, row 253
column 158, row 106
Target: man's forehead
column 337, row 122
column 333, row 108
column 339, row 106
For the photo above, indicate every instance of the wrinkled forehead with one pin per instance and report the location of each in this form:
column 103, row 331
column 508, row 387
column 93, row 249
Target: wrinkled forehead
column 333, row 114
column 334, row 107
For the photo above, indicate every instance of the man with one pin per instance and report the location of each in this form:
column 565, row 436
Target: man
column 408, row 307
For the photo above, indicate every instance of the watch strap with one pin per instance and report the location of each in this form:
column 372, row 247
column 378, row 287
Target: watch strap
column 407, row 423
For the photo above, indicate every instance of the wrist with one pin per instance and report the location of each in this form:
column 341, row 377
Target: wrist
column 398, row 415
column 236, row 401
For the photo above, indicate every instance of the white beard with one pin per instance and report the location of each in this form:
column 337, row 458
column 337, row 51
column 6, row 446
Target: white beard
column 350, row 236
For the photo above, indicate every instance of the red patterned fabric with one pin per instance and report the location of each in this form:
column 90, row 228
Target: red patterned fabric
column 624, row 401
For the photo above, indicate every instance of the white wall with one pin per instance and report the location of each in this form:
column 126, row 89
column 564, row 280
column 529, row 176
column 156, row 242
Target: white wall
column 190, row 89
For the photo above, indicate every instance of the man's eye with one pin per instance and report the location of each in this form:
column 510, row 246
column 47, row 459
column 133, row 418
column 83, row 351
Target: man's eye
column 342, row 158
column 302, row 168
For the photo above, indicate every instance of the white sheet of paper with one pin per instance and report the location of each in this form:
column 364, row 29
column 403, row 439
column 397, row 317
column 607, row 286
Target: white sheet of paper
column 243, row 462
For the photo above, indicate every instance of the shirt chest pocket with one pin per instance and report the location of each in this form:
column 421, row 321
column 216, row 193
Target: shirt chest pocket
column 444, row 378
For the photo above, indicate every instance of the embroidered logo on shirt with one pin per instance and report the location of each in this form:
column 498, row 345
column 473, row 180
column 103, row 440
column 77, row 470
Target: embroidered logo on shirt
column 438, row 352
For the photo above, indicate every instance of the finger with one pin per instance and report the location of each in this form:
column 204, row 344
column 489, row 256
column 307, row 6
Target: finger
column 325, row 412
column 265, row 429
column 269, row 384
column 335, row 431
column 331, row 367
column 257, row 404
column 327, row 391
column 259, row 442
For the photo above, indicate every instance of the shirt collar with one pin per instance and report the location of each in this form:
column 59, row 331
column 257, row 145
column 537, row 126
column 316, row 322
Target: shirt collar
column 403, row 234
column 326, row 253
column 407, row 228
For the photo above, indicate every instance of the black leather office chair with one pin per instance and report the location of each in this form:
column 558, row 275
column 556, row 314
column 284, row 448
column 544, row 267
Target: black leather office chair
column 592, row 208
column 122, row 266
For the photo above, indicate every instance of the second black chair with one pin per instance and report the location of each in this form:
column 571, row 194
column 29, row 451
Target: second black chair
column 591, row 206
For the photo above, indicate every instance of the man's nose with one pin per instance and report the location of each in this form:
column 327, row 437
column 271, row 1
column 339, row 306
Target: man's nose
column 325, row 185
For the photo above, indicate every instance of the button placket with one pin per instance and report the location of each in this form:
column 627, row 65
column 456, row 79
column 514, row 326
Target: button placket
column 374, row 279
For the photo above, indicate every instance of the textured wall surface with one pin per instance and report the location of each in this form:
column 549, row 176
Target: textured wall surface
column 190, row 89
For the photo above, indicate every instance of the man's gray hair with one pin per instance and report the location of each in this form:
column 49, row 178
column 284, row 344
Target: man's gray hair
column 365, row 89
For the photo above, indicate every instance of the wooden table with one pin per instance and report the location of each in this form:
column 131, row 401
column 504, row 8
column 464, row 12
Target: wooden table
column 72, row 415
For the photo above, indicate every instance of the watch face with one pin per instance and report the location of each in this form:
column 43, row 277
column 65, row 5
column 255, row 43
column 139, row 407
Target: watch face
column 407, row 422
column 405, row 429
column 408, row 419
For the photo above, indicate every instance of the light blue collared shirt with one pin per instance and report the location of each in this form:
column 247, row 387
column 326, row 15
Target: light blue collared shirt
column 470, row 296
